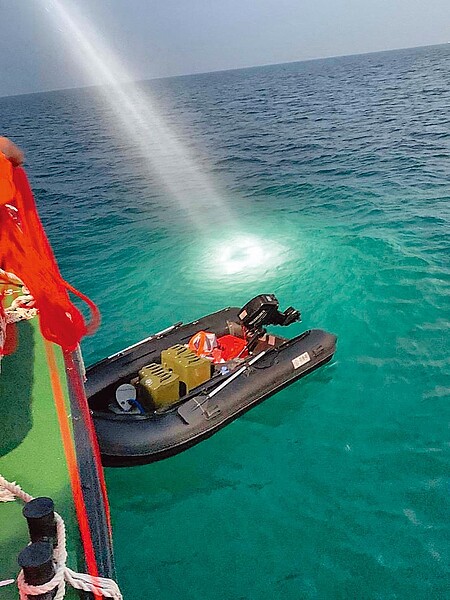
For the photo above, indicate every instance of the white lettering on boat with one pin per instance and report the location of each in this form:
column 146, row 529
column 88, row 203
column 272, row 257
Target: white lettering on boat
column 301, row 360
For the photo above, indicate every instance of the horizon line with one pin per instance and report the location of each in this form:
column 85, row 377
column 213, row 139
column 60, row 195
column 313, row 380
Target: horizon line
column 159, row 78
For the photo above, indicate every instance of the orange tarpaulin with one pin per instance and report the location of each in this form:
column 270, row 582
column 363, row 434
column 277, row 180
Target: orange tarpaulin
column 25, row 251
column 6, row 180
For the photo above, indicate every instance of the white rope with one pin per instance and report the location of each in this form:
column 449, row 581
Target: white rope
column 10, row 277
column 97, row 585
column 19, row 309
column 10, row 491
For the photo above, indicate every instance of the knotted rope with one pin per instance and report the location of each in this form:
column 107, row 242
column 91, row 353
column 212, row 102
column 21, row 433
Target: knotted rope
column 22, row 307
column 9, row 491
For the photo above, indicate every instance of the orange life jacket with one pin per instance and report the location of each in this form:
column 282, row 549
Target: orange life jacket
column 203, row 343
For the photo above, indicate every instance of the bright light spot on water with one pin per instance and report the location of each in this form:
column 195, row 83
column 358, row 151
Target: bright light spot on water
column 240, row 258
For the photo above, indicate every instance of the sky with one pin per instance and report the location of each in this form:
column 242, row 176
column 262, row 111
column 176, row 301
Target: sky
column 157, row 38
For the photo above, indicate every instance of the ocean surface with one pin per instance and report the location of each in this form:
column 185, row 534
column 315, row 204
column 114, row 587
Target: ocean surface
column 338, row 172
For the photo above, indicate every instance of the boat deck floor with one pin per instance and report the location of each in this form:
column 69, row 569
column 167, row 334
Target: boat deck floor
column 31, row 451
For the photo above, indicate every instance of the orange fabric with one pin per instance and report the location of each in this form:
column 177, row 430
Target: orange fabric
column 232, row 347
column 221, row 349
column 203, row 343
column 25, row 250
column 7, row 190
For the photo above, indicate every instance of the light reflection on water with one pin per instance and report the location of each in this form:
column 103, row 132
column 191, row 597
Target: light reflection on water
column 240, row 257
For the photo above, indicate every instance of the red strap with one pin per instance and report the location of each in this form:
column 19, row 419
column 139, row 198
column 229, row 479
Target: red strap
column 11, row 339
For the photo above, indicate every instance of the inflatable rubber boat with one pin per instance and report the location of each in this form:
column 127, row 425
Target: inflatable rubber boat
column 178, row 387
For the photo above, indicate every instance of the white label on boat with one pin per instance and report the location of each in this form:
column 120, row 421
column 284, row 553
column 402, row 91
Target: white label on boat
column 271, row 340
column 243, row 314
column 301, row 360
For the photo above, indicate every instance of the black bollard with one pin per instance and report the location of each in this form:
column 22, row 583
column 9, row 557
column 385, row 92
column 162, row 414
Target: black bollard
column 41, row 520
column 36, row 560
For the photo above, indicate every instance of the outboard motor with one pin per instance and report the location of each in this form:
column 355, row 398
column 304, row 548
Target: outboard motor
column 261, row 311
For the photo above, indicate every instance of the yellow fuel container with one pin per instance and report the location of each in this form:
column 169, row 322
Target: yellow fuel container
column 192, row 370
column 159, row 387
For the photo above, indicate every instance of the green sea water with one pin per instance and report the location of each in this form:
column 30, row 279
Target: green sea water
column 337, row 487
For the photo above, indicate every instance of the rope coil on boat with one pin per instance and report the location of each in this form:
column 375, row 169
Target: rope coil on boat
column 22, row 308
column 108, row 588
column 9, row 278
